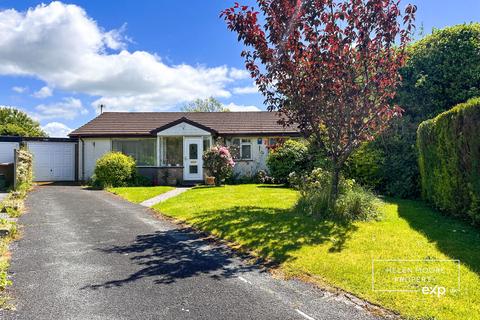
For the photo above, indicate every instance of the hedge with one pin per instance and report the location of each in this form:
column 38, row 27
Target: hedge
column 442, row 70
column 449, row 160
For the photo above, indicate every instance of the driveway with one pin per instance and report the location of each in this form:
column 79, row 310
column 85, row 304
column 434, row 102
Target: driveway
column 90, row 255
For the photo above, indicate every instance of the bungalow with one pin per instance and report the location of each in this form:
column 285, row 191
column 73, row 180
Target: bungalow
column 168, row 146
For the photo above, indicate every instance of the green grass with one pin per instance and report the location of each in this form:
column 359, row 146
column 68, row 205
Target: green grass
column 11, row 226
column 262, row 219
column 139, row 194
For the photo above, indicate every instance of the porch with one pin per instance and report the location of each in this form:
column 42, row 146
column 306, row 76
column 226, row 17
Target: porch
column 173, row 157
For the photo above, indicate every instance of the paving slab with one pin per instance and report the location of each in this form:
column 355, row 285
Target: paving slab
column 164, row 196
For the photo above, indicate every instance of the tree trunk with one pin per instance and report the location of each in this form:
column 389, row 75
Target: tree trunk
column 334, row 184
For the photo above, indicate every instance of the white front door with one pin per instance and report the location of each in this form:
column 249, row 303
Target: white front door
column 193, row 162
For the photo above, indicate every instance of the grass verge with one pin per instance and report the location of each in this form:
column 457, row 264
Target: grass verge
column 10, row 208
column 261, row 218
column 139, row 194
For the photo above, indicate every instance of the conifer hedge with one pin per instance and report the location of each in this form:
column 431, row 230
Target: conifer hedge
column 449, row 160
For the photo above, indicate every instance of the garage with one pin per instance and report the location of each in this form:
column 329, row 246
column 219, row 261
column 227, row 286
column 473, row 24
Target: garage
column 7, row 149
column 53, row 160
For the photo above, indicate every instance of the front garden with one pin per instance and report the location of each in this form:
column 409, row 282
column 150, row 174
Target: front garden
column 324, row 223
column 139, row 194
column 263, row 219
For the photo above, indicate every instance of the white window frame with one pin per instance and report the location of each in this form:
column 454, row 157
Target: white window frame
column 138, row 139
column 163, row 152
column 240, row 145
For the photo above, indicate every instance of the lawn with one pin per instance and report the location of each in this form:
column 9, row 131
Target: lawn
column 139, row 194
column 262, row 218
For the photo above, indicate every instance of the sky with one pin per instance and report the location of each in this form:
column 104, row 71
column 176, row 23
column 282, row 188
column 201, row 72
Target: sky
column 60, row 60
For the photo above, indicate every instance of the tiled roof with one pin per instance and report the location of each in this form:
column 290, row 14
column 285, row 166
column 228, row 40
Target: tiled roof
column 145, row 123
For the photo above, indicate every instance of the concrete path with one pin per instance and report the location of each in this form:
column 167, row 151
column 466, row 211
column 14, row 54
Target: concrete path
column 91, row 255
column 162, row 197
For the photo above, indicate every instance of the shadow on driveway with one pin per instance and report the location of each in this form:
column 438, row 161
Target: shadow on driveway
column 167, row 256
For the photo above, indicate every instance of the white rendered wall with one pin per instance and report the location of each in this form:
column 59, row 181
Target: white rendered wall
column 249, row 168
column 94, row 149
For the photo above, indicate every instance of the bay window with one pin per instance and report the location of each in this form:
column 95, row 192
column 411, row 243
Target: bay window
column 144, row 151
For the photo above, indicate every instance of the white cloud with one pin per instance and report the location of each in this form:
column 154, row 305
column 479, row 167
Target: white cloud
column 44, row 92
column 245, row 90
column 239, row 74
column 68, row 108
column 19, row 89
column 56, row 129
column 61, row 45
column 235, row 107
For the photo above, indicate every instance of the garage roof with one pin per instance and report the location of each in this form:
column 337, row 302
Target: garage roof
column 148, row 123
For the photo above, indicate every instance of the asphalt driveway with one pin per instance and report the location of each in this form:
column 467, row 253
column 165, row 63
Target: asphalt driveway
column 91, row 255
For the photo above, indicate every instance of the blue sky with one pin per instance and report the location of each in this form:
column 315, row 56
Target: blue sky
column 58, row 62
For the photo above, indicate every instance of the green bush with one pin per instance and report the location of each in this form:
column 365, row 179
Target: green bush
column 353, row 202
column 449, row 160
column 12, row 205
column 442, row 70
column 262, row 177
column 365, row 166
column 114, row 169
column 291, row 156
column 219, row 163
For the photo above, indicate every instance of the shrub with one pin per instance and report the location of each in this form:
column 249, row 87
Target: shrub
column 357, row 203
column 289, row 157
column 114, row 169
column 219, row 163
column 365, row 166
column 13, row 206
column 23, row 172
column 262, row 177
column 442, row 70
column 449, row 160
column 353, row 202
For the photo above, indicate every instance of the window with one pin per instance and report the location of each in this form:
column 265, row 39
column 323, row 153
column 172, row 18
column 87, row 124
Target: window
column 206, row 143
column 246, row 152
column 241, row 149
column 193, row 169
column 273, row 141
column 144, row 151
column 235, row 148
column 193, row 151
column 172, row 151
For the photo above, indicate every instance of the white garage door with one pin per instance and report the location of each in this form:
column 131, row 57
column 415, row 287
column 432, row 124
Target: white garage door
column 53, row 161
column 7, row 150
